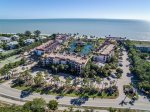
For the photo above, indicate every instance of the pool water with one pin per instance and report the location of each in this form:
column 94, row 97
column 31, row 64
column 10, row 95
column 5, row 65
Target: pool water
column 72, row 47
column 85, row 51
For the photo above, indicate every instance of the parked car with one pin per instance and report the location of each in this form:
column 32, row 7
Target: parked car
column 25, row 93
column 127, row 65
column 120, row 64
column 108, row 78
column 113, row 75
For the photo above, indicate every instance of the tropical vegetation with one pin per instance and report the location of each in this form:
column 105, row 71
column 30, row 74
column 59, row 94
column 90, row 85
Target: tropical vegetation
column 140, row 68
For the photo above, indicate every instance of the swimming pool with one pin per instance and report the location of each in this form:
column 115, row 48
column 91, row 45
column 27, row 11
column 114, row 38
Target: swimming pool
column 85, row 50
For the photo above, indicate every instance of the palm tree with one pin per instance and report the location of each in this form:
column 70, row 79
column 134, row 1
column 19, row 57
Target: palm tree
column 56, row 79
column 39, row 80
column 25, row 78
column 27, row 33
column 98, row 80
column 39, row 73
column 14, row 70
column 29, row 78
column 105, row 84
column 68, row 81
column 9, row 74
column 85, row 82
column 52, row 67
column 56, row 70
column 62, row 83
column 91, row 83
column 61, row 67
column 37, row 33
column 46, row 73
column 76, row 81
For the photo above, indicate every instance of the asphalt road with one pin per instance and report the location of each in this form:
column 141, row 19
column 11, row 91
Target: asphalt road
column 141, row 104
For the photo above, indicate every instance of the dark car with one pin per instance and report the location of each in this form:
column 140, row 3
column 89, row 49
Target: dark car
column 108, row 78
column 25, row 93
column 120, row 64
column 129, row 74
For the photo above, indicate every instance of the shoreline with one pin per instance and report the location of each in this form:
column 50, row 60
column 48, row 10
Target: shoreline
column 87, row 35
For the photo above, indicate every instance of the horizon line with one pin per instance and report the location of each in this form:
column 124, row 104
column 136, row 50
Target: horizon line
column 73, row 18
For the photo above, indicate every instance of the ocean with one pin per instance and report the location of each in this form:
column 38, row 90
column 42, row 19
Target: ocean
column 131, row 29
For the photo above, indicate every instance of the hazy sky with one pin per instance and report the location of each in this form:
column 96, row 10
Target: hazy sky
column 121, row 9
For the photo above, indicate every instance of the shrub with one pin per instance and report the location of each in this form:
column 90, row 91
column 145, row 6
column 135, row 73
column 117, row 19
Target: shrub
column 53, row 104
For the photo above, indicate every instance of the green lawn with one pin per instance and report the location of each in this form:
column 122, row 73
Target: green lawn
column 101, row 40
column 72, row 94
column 141, row 42
column 8, row 51
column 22, row 87
column 9, row 60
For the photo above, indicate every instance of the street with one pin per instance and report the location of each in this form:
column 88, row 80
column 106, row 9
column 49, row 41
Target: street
column 141, row 103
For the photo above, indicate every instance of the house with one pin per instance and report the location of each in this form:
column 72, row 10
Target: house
column 143, row 48
column 15, row 37
column 5, row 39
column 61, row 38
column 12, row 45
column 41, row 38
column 29, row 41
column 1, row 50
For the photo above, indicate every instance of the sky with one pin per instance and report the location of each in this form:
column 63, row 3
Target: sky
column 45, row 9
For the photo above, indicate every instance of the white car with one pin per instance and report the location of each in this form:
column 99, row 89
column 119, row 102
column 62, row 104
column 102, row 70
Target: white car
column 113, row 75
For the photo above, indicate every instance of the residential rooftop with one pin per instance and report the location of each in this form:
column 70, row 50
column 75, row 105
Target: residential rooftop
column 12, row 43
column 75, row 58
column 5, row 38
column 106, row 49
column 45, row 45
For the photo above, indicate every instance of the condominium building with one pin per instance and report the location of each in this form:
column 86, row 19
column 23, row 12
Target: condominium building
column 105, row 52
column 76, row 62
column 51, row 45
column 46, row 47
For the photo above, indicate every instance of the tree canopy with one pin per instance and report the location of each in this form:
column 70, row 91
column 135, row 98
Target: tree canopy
column 140, row 67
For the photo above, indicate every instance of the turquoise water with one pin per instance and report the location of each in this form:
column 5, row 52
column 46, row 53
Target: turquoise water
column 132, row 29
column 85, row 50
column 72, row 47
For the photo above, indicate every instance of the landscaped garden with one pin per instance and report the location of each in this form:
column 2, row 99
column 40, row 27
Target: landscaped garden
column 130, row 92
column 80, row 47
column 69, row 87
